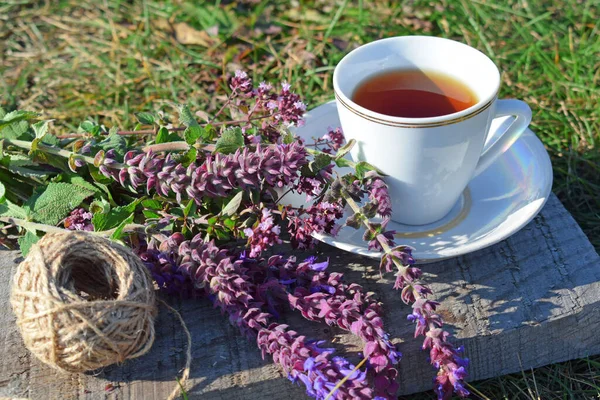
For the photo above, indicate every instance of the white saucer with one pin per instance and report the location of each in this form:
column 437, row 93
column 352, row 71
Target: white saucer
column 495, row 205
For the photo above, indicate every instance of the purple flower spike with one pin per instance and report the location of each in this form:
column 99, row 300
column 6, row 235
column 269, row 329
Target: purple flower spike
column 227, row 279
column 217, row 176
column 378, row 193
column 330, row 300
column 442, row 354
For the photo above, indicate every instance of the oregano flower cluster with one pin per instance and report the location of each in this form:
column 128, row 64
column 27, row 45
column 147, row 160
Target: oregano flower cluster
column 203, row 204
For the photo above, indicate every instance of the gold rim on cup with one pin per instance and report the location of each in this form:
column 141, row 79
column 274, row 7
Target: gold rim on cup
column 422, row 125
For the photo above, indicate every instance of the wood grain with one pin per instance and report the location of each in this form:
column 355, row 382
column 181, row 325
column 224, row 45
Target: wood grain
column 528, row 301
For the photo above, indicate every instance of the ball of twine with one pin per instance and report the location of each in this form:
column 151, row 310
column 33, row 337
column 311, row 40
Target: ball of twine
column 83, row 302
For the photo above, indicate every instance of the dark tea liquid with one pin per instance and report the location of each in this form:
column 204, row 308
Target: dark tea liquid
column 414, row 94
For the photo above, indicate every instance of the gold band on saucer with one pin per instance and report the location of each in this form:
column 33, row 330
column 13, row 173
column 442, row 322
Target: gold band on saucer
column 467, row 202
column 422, row 125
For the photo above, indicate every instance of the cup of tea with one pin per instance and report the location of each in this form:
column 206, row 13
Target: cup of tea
column 420, row 109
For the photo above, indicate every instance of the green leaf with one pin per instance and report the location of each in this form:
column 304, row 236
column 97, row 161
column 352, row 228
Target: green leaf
column 99, row 206
column 229, row 223
column 177, row 212
column 189, row 157
column 4, row 158
column 205, row 134
column 51, row 140
column 221, row 234
column 51, row 159
column 97, row 176
column 190, row 209
column 2, row 193
column 145, row 118
column 151, row 214
column 32, row 173
column 345, row 149
column 363, row 167
column 106, row 191
column 152, row 204
column 113, row 218
column 89, row 127
column 81, row 182
column 230, row 141
column 8, row 209
column 14, row 130
column 233, row 204
column 344, row 162
column 16, row 116
column 118, row 233
column 15, row 186
column 210, row 133
column 55, row 202
column 26, row 241
column 164, row 136
column 186, row 117
column 113, row 142
column 20, row 160
column 25, row 166
column 192, row 134
column 319, row 162
column 41, row 129
column 288, row 137
column 41, row 172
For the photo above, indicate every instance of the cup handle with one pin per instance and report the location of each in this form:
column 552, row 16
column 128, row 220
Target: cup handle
column 522, row 112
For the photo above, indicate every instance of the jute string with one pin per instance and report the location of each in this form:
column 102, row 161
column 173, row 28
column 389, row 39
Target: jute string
column 83, row 302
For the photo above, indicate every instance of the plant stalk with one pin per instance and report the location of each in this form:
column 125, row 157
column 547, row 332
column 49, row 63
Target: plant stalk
column 384, row 245
column 49, row 228
column 53, row 150
column 174, row 129
column 34, row 226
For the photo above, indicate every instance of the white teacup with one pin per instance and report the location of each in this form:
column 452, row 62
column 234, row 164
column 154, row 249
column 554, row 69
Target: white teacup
column 429, row 161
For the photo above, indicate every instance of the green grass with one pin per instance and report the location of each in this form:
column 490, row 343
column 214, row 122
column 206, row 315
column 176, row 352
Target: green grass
column 106, row 59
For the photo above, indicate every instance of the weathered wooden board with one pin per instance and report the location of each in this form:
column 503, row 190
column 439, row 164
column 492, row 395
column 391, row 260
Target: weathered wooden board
column 528, row 301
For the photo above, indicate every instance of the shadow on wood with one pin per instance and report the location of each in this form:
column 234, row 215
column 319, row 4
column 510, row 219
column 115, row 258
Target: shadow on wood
column 528, row 301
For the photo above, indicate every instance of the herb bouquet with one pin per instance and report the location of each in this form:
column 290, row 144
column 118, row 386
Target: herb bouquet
column 201, row 204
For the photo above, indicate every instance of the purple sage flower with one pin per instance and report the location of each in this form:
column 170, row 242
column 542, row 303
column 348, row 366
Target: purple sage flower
column 217, row 176
column 330, row 300
column 228, row 279
column 378, row 193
